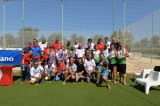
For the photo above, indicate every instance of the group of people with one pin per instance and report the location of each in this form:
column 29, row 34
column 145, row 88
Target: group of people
column 98, row 62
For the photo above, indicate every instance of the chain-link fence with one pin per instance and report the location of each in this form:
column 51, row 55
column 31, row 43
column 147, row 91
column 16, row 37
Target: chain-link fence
column 83, row 19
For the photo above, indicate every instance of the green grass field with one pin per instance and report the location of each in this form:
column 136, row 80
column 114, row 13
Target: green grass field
column 76, row 94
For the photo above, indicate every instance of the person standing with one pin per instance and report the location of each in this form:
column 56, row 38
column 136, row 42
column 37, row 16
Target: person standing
column 122, row 54
column 59, row 53
column 66, row 55
column 73, row 54
column 105, row 51
column 52, row 55
column 42, row 58
column 115, row 43
column 96, row 53
column 76, row 45
column 80, row 52
column 113, row 62
column 100, row 45
column 36, row 51
column 56, row 43
column 26, row 65
column 26, row 49
column 92, row 44
column 34, row 41
column 47, row 51
column 107, row 42
column 43, row 44
column 88, row 50
column 69, row 46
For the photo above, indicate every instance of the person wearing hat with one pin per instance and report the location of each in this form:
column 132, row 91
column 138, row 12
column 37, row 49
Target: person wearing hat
column 26, row 49
column 92, row 44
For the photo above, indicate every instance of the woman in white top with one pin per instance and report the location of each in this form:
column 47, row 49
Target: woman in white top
column 73, row 53
column 96, row 53
column 66, row 55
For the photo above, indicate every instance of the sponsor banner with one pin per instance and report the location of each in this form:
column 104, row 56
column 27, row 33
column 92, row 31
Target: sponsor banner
column 10, row 57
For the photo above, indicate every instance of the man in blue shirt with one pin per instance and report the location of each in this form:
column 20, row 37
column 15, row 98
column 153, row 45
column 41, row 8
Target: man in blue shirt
column 36, row 51
column 26, row 49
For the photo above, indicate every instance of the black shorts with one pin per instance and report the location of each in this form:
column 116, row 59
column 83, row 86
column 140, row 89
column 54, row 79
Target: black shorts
column 121, row 68
column 111, row 66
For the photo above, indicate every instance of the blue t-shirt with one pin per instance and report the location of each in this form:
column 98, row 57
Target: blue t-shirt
column 36, row 52
column 100, row 67
column 26, row 50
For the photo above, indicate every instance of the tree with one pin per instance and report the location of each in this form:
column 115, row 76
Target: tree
column 145, row 42
column 155, row 41
column 82, row 40
column 51, row 38
column 29, row 35
column 96, row 37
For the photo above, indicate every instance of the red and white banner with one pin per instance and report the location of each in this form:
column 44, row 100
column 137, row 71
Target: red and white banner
column 6, row 77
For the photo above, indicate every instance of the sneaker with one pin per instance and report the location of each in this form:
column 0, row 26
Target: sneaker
column 28, row 80
column 22, row 82
column 42, row 81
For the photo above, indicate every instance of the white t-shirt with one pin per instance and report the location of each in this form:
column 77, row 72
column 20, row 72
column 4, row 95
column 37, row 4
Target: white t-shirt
column 42, row 46
column 105, row 52
column 76, row 46
column 49, row 69
column 89, row 64
column 72, row 67
column 96, row 54
column 92, row 46
column 109, row 43
column 80, row 52
column 36, row 71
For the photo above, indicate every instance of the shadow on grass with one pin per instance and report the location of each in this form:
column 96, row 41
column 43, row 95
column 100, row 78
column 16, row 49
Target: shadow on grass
column 16, row 77
column 142, row 88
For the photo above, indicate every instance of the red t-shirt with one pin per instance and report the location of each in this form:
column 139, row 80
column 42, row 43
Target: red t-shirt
column 44, row 58
column 58, row 68
column 27, row 59
column 55, row 45
column 33, row 45
column 46, row 51
column 100, row 47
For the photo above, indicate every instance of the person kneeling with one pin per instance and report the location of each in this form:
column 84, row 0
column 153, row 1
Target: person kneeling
column 70, row 71
column 36, row 73
column 49, row 69
column 104, row 74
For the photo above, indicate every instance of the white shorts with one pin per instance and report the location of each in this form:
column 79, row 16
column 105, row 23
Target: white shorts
column 46, row 77
column 33, row 79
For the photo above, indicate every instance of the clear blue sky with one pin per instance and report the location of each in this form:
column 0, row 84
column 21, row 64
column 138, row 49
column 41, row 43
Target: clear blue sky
column 85, row 17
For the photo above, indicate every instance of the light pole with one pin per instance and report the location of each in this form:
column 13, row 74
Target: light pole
column 23, row 23
column 62, row 19
column 124, row 23
column 113, row 16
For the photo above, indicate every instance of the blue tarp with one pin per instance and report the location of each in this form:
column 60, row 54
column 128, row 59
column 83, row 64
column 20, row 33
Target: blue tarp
column 10, row 57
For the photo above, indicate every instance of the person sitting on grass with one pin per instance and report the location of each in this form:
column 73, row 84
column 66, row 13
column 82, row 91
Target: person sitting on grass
column 36, row 73
column 89, row 66
column 104, row 74
column 60, row 68
column 70, row 72
column 49, row 69
column 80, row 69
